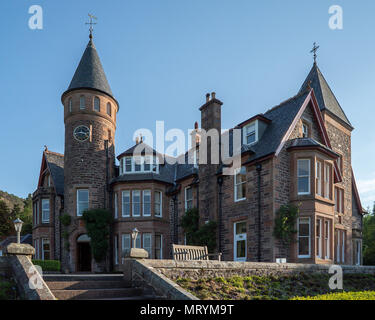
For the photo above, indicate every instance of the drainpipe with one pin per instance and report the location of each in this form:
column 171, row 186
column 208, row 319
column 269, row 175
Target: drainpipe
column 175, row 219
column 220, row 214
column 259, row 169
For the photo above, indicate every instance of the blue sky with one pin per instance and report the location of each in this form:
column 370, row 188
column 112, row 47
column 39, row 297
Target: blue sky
column 162, row 56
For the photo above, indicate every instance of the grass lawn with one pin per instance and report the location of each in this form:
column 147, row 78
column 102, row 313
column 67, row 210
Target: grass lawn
column 278, row 288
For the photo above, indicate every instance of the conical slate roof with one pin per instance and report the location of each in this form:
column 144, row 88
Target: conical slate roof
column 90, row 73
column 324, row 95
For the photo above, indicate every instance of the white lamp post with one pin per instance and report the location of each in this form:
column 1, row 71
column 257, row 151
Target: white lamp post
column 18, row 226
column 134, row 236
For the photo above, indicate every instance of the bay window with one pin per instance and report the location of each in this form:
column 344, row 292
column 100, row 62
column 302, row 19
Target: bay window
column 303, row 176
column 138, row 164
column 136, row 197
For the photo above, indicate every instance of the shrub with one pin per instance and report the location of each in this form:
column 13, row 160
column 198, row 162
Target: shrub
column 7, row 290
column 66, row 219
column 48, row 265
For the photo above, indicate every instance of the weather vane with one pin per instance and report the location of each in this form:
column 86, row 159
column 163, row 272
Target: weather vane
column 314, row 50
column 91, row 23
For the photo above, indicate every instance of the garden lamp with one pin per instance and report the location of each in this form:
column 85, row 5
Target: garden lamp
column 18, row 226
column 134, row 236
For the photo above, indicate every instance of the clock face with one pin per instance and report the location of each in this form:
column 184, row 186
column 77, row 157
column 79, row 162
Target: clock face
column 81, row 133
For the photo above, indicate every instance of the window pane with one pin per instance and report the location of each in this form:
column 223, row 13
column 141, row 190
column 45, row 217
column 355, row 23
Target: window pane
column 136, row 203
column 128, row 164
column 96, row 104
column 303, row 185
column 303, row 246
column 240, row 227
column 126, row 203
column 109, row 109
column 304, row 167
column 82, row 102
column 241, row 249
column 158, row 208
column 146, row 202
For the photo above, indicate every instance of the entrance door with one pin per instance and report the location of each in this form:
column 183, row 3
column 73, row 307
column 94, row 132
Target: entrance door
column 240, row 246
column 83, row 254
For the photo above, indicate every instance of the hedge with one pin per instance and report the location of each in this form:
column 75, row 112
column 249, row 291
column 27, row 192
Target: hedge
column 361, row 295
column 48, row 265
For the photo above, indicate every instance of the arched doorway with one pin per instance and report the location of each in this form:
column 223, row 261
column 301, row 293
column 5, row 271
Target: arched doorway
column 83, row 253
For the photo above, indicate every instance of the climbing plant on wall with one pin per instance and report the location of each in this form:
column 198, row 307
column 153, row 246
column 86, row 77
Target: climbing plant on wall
column 97, row 226
column 285, row 223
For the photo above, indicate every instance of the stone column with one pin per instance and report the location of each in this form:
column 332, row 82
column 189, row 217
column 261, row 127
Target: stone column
column 129, row 257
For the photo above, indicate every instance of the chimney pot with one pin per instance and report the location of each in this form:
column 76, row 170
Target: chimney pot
column 207, row 97
column 213, row 94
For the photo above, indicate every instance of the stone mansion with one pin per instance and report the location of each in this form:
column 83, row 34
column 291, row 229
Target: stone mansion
column 298, row 152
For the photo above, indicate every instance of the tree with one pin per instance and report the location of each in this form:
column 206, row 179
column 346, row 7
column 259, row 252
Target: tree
column 369, row 238
column 5, row 226
column 27, row 215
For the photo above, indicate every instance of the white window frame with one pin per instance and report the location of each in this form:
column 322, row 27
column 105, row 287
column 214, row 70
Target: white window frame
column 303, row 256
column 79, row 203
column 123, row 195
column 148, row 249
column 44, row 218
column 237, row 238
column 160, row 204
column 153, row 164
column 144, row 194
column 115, row 247
column 318, row 176
column 327, row 240
column 116, row 205
column 305, row 130
column 327, row 181
column 188, row 200
column 319, row 238
column 134, row 194
column 304, row 176
column 245, row 132
column 125, row 237
column 358, row 251
column 236, row 199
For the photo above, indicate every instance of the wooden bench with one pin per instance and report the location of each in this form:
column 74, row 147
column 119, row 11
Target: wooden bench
column 182, row 252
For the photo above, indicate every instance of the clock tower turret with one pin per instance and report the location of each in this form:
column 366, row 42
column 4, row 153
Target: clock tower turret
column 90, row 124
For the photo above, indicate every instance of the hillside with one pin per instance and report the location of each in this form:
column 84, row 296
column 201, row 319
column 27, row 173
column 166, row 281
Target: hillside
column 11, row 200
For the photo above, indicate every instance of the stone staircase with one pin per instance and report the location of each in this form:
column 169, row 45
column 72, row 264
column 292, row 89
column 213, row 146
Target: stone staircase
column 95, row 287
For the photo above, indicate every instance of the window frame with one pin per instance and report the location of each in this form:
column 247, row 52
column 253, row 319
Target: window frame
column 236, row 184
column 115, row 248
column 303, row 256
column 82, row 102
column 124, row 192
column 187, row 201
column 96, row 106
column 148, row 249
column 43, row 210
column 327, row 190
column 115, row 205
column 247, row 133
column 156, row 246
column 44, row 251
column 160, row 204
column 327, row 239
column 78, row 204
column 134, row 194
column 144, row 202
column 304, row 176
column 319, row 238
column 109, row 109
column 318, row 177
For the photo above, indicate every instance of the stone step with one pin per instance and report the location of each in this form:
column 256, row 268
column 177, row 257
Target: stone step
column 82, row 277
column 97, row 293
column 87, row 284
column 142, row 297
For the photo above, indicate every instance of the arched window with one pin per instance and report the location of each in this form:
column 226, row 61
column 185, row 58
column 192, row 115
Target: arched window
column 97, row 104
column 82, row 102
column 70, row 103
column 109, row 109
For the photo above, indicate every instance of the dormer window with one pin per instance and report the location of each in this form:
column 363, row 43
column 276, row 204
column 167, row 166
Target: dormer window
column 250, row 134
column 305, row 130
column 140, row 164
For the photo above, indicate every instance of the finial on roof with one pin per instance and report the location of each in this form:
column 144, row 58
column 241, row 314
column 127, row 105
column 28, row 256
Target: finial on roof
column 196, row 125
column 314, row 50
column 45, row 148
column 91, row 29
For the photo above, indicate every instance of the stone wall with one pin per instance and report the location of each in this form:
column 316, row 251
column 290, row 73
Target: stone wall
column 210, row 269
column 4, row 266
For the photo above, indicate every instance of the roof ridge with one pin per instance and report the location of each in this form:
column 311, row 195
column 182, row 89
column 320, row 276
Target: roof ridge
column 55, row 153
column 286, row 101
